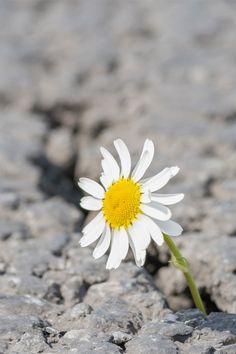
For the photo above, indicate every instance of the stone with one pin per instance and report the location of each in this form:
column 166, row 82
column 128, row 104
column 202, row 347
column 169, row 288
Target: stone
column 192, row 317
column 9, row 200
column 54, row 214
column 24, row 304
column 120, row 337
column 221, row 322
column 80, row 262
column 57, row 243
column 25, row 130
column 20, row 323
column 134, row 286
column 153, row 344
column 80, row 310
column 53, row 293
column 31, row 285
column 22, row 257
column 152, row 303
column 3, row 268
column 21, row 179
column 94, row 272
column 229, row 349
column 116, row 314
column 30, row 343
column 3, row 346
column 73, row 289
column 78, row 341
column 220, row 283
column 10, row 227
column 21, row 135
column 176, row 331
column 216, row 332
column 60, row 150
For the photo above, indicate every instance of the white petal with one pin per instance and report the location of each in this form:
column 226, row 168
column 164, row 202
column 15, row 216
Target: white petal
column 90, row 203
column 119, row 248
column 146, row 237
column 93, row 235
column 103, row 243
column 153, row 229
column 107, row 172
column 114, row 169
column 105, row 167
column 124, row 155
column 167, row 199
column 161, row 179
column 139, row 255
column 142, row 258
column 144, row 161
column 114, row 258
column 93, row 223
column 156, row 211
column 105, row 180
column 139, row 235
column 91, row 187
column 141, row 167
column 170, row 228
column 146, row 197
column 123, row 242
column 148, row 146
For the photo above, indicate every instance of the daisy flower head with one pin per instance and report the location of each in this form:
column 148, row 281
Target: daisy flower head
column 130, row 212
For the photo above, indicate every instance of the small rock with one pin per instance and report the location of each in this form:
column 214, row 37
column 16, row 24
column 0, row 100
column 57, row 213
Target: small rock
column 20, row 323
column 191, row 317
column 23, row 304
column 53, row 215
column 51, row 330
column 60, row 150
column 72, row 334
column 3, row 267
column 85, row 341
column 57, row 242
column 120, row 337
column 153, row 344
column 10, row 227
column 177, row 331
column 229, row 349
column 80, row 310
column 30, row 343
column 219, row 321
column 53, row 293
column 3, row 346
column 9, row 200
column 73, row 289
column 39, row 269
column 116, row 314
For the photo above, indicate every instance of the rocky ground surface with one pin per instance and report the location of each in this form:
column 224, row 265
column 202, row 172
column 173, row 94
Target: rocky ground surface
column 74, row 75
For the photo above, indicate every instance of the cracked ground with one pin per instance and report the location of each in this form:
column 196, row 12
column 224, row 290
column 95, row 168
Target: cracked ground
column 75, row 75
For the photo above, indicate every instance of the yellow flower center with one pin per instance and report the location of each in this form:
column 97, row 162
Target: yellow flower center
column 121, row 203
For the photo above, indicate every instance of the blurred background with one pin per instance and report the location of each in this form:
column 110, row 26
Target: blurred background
column 75, row 75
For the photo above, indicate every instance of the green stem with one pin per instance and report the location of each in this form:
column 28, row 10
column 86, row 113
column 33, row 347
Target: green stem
column 181, row 263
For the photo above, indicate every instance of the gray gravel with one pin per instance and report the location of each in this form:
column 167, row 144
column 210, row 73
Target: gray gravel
column 75, row 75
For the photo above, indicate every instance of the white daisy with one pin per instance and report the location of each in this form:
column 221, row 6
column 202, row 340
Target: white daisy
column 127, row 205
